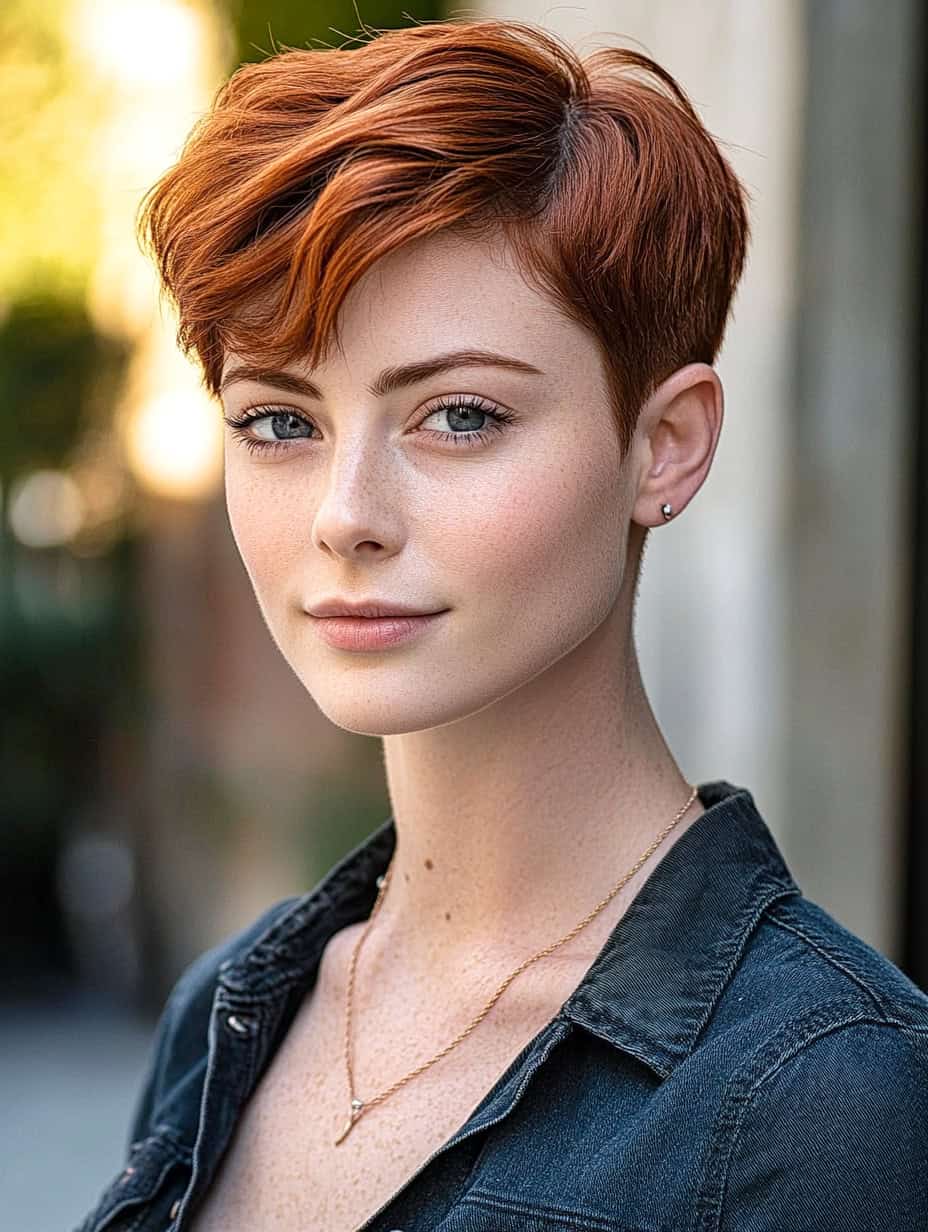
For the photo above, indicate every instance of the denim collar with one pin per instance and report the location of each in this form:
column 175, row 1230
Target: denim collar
column 653, row 985
column 652, row 988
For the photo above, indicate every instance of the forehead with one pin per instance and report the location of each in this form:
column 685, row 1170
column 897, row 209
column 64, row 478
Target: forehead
column 463, row 278
column 451, row 291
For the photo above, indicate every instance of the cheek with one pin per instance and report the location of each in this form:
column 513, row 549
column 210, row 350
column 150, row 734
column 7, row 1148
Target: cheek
column 265, row 529
column 548, row 539
column 538, row 543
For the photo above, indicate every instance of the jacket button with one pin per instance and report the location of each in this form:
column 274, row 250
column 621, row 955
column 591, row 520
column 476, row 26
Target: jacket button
column 242, row 1026
column 125, row 1176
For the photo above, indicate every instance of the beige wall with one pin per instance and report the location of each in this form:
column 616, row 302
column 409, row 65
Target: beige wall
column 763, row 665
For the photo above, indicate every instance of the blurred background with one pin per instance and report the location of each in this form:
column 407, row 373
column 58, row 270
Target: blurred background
column 163, row 775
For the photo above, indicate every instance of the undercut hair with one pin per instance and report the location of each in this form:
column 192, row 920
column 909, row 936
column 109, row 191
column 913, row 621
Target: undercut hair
column 312, row 164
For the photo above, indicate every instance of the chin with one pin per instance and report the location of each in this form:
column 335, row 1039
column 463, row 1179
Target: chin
column 387, row 716
column 391, row 698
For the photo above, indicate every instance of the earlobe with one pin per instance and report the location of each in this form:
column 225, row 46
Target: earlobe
column 686, row 419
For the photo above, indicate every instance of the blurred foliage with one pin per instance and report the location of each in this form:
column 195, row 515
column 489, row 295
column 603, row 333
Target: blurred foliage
column 261, row 28
column 57, row 374
column 66, row 659
column 50, row 107
column 71, row 669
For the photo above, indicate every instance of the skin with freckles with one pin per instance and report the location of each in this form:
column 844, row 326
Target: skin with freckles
column 525, row 767
column 526, row 770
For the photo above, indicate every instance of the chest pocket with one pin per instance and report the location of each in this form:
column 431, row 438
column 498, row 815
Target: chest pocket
column 481, row 1211
column 141, row 1196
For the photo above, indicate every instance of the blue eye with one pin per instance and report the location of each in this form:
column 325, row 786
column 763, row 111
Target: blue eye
column 283, row 424
column 473, row 423
column 470, row 413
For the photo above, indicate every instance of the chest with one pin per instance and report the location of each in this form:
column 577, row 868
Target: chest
column 283, row 1171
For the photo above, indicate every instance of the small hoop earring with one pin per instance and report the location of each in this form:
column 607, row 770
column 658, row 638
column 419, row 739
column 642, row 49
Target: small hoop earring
column 667, row 511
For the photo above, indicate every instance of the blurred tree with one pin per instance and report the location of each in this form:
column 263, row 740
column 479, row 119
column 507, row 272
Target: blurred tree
column 72, row 690
column 258, row 27
column 66, row 656
column 49, row 113
column 57, row 372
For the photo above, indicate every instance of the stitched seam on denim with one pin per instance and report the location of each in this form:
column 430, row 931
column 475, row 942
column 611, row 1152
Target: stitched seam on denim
column 710, row 1196
column 909, row 1029
column 259, row 1027
column 570, row 1218
column 291, row 916
column 820, row 945
column 597, row 1018
column 731, row 951
column 532, row 1060
column 198, row 1146
column 866, row 1021
column 559, row 1038
column 137, row 1222
column 117, row 1209
column 535, row 1060
column 164, row 1129
column 785, row 1045
column 270, row 983
column 726, row 955
column 253, row 1051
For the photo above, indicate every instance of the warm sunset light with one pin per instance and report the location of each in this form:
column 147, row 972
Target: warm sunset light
column 140, row 43
column 160, row 60
column 174, row 444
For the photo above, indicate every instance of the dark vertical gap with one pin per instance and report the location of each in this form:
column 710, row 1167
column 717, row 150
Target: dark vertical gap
column 914, row 955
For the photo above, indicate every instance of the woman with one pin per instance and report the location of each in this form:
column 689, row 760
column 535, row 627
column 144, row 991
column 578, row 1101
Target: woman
column 459, row 294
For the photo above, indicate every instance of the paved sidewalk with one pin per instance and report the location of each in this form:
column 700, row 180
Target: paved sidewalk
column 69, row 1074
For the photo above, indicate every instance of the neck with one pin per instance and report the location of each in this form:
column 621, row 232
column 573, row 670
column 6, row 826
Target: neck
column 515, row 822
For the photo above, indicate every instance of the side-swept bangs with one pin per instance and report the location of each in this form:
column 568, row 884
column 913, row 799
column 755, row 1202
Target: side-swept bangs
column 312, row 164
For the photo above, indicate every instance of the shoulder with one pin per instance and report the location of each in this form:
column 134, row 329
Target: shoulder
column 807, row 973
column 820, row 993
column 831, row 1131
column 177, row 1055
column 823, row 1122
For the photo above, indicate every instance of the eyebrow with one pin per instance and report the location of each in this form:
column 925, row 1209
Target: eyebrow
column 389, row 380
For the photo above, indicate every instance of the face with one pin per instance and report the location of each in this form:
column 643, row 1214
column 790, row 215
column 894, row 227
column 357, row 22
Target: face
column 495, row 494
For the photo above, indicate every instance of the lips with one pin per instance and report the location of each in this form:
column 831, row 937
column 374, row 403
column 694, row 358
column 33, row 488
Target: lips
column 373, row 633
column 370, row 609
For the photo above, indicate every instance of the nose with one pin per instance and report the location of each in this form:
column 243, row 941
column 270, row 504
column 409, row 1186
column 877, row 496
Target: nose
column 359, row 507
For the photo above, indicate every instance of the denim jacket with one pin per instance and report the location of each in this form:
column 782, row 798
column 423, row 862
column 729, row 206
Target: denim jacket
column 733, row 1059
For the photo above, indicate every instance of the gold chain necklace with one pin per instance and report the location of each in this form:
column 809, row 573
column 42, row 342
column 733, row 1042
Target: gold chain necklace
column 359, row 1106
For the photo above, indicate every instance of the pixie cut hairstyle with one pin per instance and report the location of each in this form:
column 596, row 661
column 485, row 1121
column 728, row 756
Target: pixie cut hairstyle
column 313, row 163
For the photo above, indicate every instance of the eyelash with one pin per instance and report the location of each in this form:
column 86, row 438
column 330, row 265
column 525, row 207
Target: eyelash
column 501, row 419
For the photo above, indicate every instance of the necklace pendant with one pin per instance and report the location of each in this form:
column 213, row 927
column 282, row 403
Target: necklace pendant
column 357, row 1106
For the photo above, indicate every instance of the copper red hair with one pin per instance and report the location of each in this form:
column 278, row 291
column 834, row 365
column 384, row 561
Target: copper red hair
column 312, row 164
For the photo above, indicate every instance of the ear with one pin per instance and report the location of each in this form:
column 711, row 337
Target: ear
column 676, row 437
